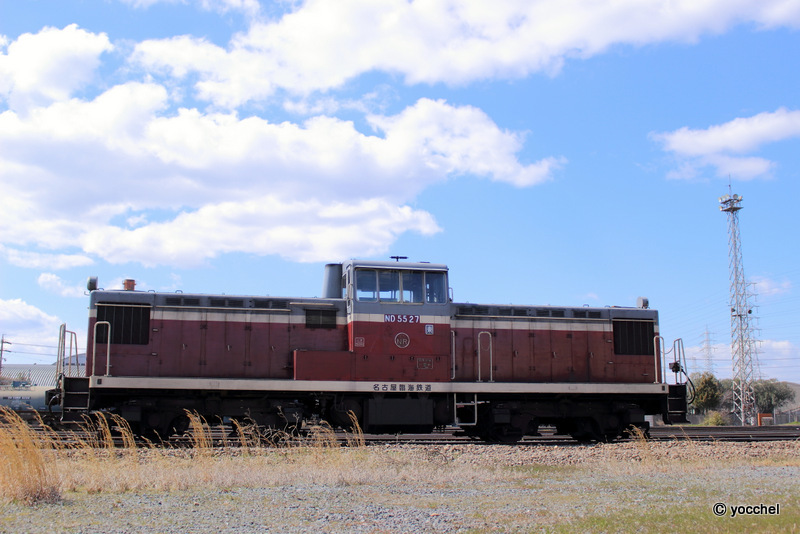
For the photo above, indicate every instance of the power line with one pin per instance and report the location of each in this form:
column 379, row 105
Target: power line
column 32, row 345
column 34, row 353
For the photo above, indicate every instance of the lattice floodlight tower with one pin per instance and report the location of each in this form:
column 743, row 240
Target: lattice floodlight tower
column 742, row 343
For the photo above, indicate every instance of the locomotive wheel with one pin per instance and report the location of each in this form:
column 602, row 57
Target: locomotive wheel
column 148, row 433
column 160, row 426
column 586, row 430
column 502, row 434
column 178, row 426
column 637, row 431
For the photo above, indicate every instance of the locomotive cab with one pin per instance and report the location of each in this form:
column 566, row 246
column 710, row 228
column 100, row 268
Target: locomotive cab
column 398, row 318
column 398, row 324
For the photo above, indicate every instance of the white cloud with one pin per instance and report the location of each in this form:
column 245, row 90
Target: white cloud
column 50, row 65
column 323, row 43
column 55, row 284
column 776, row 357
column 32, row 333
column 250, row 7
column 38, row 260
column 740, row 135
column 144, row 4
column 24, row 323
column 301, row 231
column 778, row 349
column 742, row 168
column 721, row 146
column 222, row 183
column 461, row 140
column 765, row 286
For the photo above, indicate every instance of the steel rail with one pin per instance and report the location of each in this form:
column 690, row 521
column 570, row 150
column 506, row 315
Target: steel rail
column 226, row 436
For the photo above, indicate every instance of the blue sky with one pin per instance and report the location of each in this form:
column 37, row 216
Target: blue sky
column 563, row 153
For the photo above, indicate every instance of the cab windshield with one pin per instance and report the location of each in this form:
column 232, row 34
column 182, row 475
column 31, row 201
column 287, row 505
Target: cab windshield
column 406, row 287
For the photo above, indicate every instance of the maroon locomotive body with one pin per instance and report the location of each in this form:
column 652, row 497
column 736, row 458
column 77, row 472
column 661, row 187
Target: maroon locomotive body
column 386, row 343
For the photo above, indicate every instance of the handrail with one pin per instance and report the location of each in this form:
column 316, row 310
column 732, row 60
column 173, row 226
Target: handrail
column 680, row 357
column 452, row 354
column 108, row 347
column 491, row 356
column 678, row 364
column 73, row 338
column 62, row 351
column 658, row 348
column 60, row 354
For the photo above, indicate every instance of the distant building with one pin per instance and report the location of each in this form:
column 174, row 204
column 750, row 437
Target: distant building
column 36, row 375
column 23, row 386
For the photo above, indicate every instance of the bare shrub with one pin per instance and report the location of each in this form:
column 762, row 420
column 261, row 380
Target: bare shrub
column 715, row 419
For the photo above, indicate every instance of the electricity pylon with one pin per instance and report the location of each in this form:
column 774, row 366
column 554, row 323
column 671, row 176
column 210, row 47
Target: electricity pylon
column 742, row 343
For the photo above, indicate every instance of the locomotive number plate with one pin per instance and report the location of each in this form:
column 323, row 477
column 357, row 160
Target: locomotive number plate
column 398, row 318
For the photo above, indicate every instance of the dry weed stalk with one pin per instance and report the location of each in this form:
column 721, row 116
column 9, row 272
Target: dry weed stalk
column 356, row 437
column 322, row 436
column 640, row 438
column 24, row 460
column 103, row 430
column 243, row 435
column 689, row 440
column 200, row 433
column 120, row 426
column 48, row 434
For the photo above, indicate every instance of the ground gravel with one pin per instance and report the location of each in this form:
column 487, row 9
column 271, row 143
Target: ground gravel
column 456, row 488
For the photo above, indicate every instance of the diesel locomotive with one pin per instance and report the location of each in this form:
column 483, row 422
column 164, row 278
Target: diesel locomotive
column 385, row 345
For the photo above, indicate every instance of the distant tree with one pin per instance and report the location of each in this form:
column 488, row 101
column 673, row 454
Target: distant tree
column 771, row 394
column 708, row 392
column 726, row 405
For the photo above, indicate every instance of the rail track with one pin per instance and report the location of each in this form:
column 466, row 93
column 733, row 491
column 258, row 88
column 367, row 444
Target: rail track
column 726, row 433
column 225, row 436
column 659, row 433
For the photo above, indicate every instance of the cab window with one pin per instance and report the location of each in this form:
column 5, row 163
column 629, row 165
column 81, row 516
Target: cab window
column 435, row 288
column 408, row 287
column 412, row 286
column 367, row 285
column 389, row 286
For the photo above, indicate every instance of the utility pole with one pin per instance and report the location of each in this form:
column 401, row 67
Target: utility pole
column 742, row 344
column 3, row 344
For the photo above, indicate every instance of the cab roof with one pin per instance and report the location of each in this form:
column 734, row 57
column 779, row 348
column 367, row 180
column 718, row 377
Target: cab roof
column 394, row 265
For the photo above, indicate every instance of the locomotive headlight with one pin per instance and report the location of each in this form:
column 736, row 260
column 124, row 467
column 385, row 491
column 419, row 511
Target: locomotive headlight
column 91, row 283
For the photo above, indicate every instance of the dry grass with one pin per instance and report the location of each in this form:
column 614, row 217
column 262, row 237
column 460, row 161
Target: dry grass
column 34, row 468
column 639, row 437
column 25, row 473
column 200, row 432
column 629, row 487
